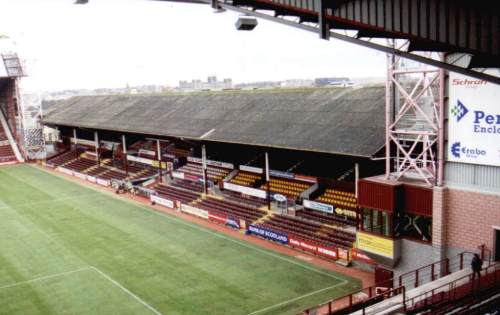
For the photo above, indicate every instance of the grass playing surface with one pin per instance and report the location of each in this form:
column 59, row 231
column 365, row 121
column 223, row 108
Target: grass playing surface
column 70, row 249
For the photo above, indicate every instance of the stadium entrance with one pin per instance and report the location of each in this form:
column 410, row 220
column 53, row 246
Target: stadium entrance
column 496, row 232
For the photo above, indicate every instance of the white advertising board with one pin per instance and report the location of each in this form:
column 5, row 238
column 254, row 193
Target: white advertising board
column 323, row 207
column 79, row 175
column 133, row 158
column 211, row 162
column 103, row 182
column 147, row 152
column 474, row 121
column 195, row 211
column 251, row 169
column 246, row 190
column 89, row 143
column 178, row 175
column 162, row 201
column 91, row 179
column 65, row 171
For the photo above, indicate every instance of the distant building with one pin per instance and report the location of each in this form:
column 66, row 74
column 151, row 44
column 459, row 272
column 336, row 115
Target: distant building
column 293, row 83
column 332, row 82
column 259, row 85
column 211, row 84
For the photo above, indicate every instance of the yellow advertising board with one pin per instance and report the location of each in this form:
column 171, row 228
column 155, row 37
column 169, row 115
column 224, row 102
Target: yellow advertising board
column 375, row 244
column 157, row 163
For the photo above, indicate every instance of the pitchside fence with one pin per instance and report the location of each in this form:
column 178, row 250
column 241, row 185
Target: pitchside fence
column 399, row 285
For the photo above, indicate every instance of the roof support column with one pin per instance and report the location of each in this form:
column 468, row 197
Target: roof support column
column 268, row 188
column 124, row 151
column 158, row 155
column 324, row 26
column 96, row 139
column 204, row 165
column 75, row 139
column 441, row 104
column 388, row 110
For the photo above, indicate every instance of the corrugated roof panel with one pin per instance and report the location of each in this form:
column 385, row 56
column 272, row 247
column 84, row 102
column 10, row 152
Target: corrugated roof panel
column 339, row 120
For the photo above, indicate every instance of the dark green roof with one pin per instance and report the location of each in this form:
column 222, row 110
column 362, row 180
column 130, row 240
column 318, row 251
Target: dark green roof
column 335, row 120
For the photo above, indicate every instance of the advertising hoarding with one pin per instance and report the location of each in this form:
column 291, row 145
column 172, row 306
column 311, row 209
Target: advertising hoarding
column 473, row 121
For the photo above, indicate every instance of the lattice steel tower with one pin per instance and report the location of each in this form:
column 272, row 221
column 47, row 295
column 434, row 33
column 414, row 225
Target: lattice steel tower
column 414, row 120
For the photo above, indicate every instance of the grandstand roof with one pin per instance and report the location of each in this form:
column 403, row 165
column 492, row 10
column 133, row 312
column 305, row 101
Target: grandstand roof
column 347, row 121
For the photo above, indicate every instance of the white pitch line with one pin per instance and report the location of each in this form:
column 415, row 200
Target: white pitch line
column 199, row 228
column 239, row 243
column 194, row 226
column 152, row 309
column 45, row 277
column 295, row 299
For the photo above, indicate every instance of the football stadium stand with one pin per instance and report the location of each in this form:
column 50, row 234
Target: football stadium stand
column 339, row 198
column 175, row 193
column 287, row 187
column 295, row 123
column 7, row 154
column 322, row 217
column 246, row 178
column 239, row 211
column 310, row 230
column 187, row 184
column 214, row 174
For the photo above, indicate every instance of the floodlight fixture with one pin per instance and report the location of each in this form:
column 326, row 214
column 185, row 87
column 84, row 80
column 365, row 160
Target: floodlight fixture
column 246, row 23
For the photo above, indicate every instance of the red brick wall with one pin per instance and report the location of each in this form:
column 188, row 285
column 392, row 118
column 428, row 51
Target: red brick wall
column 469, row 217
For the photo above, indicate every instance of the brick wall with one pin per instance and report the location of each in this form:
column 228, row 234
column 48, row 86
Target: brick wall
column 439, row 205
column 469, row 217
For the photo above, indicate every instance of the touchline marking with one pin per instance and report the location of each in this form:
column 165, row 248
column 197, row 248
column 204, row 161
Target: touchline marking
column 192, row 225
column 295, row 299
column 45, row 277
column 152, row 309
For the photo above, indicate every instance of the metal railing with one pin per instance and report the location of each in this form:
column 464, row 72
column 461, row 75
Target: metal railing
column 457, row 289
column 365, row 297
column 434, row 271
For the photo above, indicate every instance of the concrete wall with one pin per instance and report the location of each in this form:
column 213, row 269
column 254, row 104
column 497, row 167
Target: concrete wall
column 414, row 255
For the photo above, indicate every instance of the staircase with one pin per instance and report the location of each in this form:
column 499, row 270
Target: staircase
column 9, row 151
column 268, row 216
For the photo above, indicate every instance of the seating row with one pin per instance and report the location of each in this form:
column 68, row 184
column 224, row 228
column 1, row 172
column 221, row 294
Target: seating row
column 248, row 200
column 62, row 159
column 313, row 230
column 80, row 164
column 213, row 173
column 326, row 218
column 6, row 153
column 196, row 186
column 241, row 212
column 245, row 178
column 176, row 193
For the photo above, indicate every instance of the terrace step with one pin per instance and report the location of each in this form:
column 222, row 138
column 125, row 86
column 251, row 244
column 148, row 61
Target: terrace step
column 264, row 218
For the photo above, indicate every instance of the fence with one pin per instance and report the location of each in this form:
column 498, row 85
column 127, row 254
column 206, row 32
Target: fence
column 359, row 300
column 456, row 290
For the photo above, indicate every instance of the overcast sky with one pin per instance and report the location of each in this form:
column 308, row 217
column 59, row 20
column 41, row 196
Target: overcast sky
column 109, row 43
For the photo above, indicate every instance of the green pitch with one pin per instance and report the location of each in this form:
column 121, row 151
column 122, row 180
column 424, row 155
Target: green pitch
column 69, row 249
